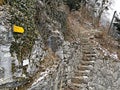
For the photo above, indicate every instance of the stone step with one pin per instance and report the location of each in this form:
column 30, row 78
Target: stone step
column 89, row 55
column 84, row 67
column 77, row 86
column 87, row 49
column 80, row 80
column 73, row 86
column 88, row 58
column 87, row 62
column 82, row 73
column 88, row 44
column 80, row 87
column 85, row 44
column 84, row 41
column 89, row 52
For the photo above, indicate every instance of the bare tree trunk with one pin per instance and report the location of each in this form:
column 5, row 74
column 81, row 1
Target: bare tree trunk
column 101, row 12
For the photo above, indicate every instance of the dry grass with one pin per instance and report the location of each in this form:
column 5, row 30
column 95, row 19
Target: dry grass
column 74, row 25
column 107, row 41
column 49, row 59
column 78, row 19
column 88, row 16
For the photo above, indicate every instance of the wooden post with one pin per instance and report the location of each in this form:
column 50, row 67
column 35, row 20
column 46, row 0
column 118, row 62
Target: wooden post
column 111, row 22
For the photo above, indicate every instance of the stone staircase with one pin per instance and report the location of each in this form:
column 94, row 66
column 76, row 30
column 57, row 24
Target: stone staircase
column 83, row 73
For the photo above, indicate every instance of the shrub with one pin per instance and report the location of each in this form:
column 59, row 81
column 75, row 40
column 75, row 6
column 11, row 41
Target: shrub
column 73, row 4
column 1, row 2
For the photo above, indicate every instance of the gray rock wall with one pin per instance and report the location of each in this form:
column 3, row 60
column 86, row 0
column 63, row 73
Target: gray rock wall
column 106, row 74
column 24, row 61
column 5, row 43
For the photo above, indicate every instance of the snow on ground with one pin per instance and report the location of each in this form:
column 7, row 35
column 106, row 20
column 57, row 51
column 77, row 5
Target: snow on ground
column 107, row 53
column 44, row 74
column 41, row 77
column 107, row 15
column 114, row 55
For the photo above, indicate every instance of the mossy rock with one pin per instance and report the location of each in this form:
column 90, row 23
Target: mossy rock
column 23, row 12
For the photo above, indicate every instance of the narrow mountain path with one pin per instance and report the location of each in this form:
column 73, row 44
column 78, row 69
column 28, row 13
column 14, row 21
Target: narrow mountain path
column 83, row 73
column 84, row 66
column 98, row 69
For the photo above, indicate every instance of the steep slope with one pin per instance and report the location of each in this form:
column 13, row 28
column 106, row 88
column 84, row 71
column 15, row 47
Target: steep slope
column 88, row 67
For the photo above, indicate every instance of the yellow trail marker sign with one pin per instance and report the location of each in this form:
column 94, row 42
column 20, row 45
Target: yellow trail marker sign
column 18, row 29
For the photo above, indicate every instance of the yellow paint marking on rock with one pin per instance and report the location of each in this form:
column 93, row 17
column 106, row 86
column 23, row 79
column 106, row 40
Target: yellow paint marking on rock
column 18, row 29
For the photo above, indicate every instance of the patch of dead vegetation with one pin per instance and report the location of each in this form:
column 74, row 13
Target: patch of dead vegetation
column 79, row 20
column 75, row 24
column 49, row 60
column 107, row 41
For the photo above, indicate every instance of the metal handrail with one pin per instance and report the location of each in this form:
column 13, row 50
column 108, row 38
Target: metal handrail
column 111, row 22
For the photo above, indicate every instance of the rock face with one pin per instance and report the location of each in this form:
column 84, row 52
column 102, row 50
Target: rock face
column 23, row 55
column 1, row 72
column 5, row 56
column 106, row 73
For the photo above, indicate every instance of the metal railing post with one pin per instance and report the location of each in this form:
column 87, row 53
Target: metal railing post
column 111, row 22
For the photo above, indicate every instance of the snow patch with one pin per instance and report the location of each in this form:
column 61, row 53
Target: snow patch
column 107, row 53
column 114, row 55
column 42, row 76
